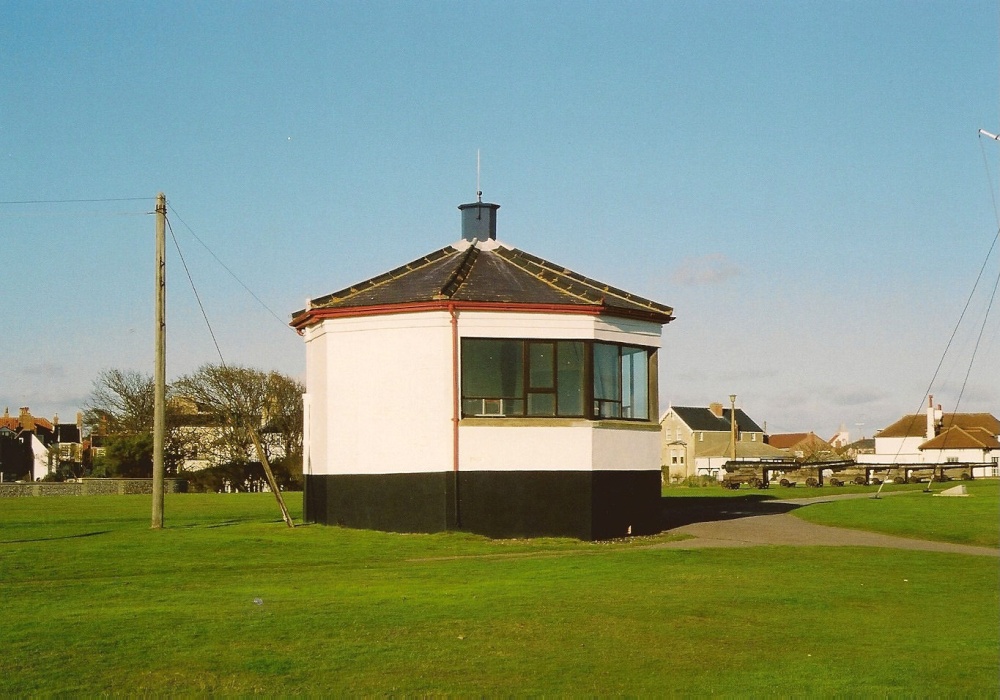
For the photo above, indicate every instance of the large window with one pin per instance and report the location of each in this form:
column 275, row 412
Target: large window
column 565, row 378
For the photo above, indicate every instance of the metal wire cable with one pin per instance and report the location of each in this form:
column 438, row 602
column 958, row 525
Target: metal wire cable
column 227, row 269
column 968, row 301
column 76, row 201
column 197, row 296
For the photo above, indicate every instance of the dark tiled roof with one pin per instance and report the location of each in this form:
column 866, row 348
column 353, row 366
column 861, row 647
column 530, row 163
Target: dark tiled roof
column 702, row 419
column 488, row 272
column 67, row 432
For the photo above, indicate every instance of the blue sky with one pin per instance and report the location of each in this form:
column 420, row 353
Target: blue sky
column 802, row 181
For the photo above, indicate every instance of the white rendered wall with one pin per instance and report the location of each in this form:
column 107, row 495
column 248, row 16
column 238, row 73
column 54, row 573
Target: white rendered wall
column 525, row 448
column 380, row 394
column 959, row 455
column 575, row 446
column 992, row 471
column 495, row 324
column 39, row 459
column 379, row 399
column 894, row 451
column 622, row 449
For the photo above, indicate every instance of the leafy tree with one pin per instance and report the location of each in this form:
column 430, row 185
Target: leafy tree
column 127, row 456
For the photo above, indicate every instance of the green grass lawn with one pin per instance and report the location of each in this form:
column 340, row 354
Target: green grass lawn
column 227, row 600
column 775, row 491
column 973, row 520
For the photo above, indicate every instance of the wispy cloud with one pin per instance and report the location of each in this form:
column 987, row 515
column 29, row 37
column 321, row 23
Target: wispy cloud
column 46, row 370
column 857, row 396
column 705, row 270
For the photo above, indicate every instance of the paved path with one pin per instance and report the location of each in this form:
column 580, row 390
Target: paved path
column 768, row 523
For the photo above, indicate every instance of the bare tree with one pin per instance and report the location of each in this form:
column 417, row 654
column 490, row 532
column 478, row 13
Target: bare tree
column 246, row 401
column 121, row 403
column 284, row 415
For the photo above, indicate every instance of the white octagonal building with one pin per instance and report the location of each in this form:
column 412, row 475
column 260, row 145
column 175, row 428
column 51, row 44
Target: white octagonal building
column 484, row 389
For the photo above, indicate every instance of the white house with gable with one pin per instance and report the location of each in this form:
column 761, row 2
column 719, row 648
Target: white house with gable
column 939, row 438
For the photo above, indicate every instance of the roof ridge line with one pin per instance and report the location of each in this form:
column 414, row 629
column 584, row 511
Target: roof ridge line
column 601, row 288
column 511, row 254
column 385, row 277
column 460, row 274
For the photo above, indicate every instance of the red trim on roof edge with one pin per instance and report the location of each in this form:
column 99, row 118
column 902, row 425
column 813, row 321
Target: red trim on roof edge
column 313, row 316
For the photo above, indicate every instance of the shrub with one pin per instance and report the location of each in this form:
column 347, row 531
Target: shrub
column 242, row 477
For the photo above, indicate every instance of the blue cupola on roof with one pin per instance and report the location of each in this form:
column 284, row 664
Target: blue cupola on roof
column 479, row 220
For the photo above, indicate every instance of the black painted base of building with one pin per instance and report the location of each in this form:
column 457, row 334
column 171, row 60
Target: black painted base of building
column 585, row 505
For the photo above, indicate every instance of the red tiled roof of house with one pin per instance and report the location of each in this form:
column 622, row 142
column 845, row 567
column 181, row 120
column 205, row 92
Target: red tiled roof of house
column 14, row 423
column 957, row 438
column 915, row 424
column 786, row 440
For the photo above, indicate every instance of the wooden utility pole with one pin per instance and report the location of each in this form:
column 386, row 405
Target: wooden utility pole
column 160, row 363
column 270, row 476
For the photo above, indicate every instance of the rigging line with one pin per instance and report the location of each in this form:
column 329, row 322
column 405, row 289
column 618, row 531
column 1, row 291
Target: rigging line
column 951, row 339
column 989, row 177
column 76, row 201
column 196, row 295
column 989, row 306
column 88, row 214
column 982, row 329
column 231, row 273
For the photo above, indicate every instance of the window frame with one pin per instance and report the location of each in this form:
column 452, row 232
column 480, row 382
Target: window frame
column 586, row 375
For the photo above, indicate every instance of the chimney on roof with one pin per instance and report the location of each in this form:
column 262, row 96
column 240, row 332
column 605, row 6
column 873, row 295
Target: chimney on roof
column 479, row 220
column 26, row 419
column 931, row 423
column 716, row 409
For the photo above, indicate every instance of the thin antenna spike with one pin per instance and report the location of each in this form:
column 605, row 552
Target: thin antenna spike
column 479, row 189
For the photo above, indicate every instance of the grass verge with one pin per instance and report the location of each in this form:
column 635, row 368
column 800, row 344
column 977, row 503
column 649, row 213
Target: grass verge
column 971, row 520
column 227, row 600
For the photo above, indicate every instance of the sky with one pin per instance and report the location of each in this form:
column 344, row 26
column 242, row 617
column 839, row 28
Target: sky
column 803, row 182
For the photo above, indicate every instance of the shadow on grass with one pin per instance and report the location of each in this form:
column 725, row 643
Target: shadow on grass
column 676, row 512
column 62, row 537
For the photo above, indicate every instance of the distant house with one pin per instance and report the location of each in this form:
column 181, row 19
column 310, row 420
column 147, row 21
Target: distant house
column 969, row 445
column 804, row 447
column 68, row 440
column 940, row 438
column 841, row 439
column 864, row 446
column 696, row 441
column 24, row 446
column 485, row 389
column 196, row 434
column 202, row 439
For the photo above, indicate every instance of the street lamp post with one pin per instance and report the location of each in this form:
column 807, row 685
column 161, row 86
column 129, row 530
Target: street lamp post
column 732, row 427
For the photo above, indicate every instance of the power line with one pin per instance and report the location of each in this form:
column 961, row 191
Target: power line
column 76, row 201
column 226, row 268
column 197, row 296
column 74, row 214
